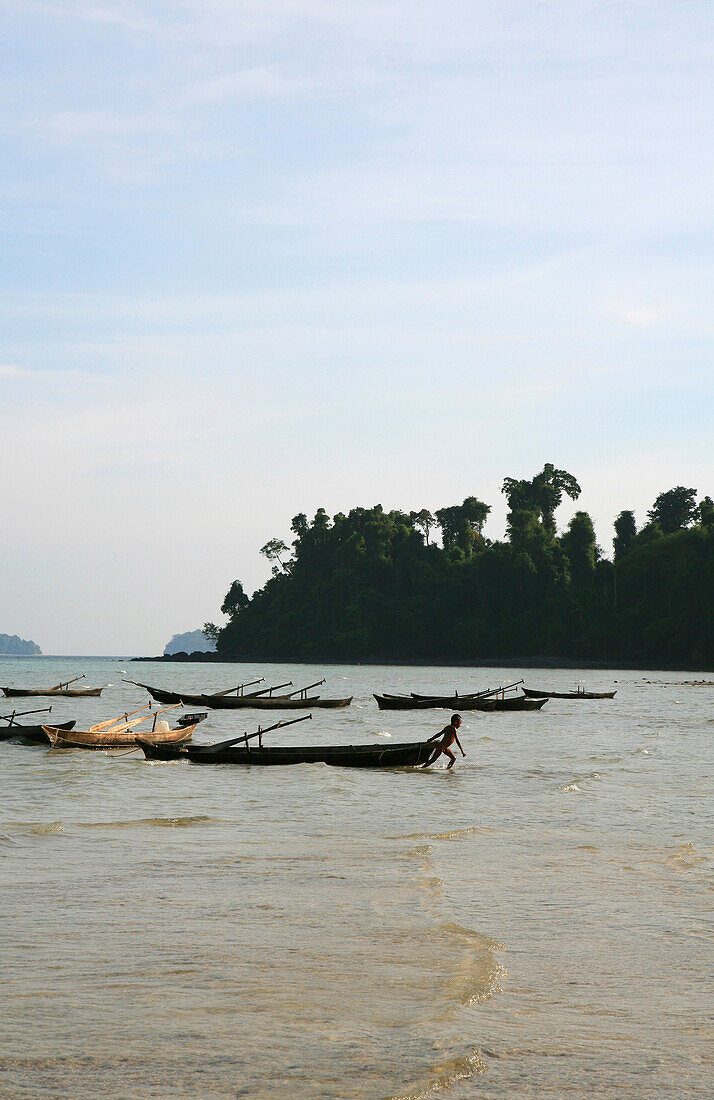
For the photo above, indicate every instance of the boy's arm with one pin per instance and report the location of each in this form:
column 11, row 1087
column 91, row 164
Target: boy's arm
column 437, row 735
column 459, row 744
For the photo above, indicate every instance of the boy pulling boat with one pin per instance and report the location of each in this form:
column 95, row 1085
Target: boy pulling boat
column 448, row 735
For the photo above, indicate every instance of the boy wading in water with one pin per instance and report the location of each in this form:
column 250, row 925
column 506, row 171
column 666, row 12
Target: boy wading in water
column 448, row 735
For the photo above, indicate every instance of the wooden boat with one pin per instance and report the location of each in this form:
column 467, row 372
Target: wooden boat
column 519, row 702
column 486, row 693
column 111, row 739
column 31, row 733
column 72, row 693
column 453, row 702
column 276, row 702
column 406, row 702
column 255, row 700
column 119, row 732
column 531, row 693
column 161, row 695
column 405, row 755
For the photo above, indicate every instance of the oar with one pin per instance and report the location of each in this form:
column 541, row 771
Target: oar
column 303, row 691
column 127, row 725
column 15, row 714
column 247, row 736
column 105, row 725
column 66, row 683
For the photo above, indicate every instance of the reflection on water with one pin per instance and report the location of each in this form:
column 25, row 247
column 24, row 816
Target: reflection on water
column 520, row 925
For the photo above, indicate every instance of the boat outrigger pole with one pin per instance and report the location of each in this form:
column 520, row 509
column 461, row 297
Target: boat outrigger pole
column 65, row 683
column 10, row 718
column 249, row 736
column 303, row 691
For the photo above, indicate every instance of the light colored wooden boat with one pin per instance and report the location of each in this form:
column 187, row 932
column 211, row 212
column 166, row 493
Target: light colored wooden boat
column 120, row 732
column 114, row 739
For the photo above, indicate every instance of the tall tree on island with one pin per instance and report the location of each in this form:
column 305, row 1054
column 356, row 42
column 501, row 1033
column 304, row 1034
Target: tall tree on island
column 543, row 494
column 674, row 510
column 424, row 521
column 625, row 531
column 581, row 547
column 462, row 525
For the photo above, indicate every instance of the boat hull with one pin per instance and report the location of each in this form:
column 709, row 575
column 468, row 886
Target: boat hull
column 245, row 702
column 408, row 702
column 105, row 739
column 405, row 755
column 35, row 734
column 520, row 702
column 65, row 693
column 531, row 693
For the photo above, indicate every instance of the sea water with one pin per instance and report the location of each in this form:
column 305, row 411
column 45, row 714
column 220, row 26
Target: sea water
column 535, row 922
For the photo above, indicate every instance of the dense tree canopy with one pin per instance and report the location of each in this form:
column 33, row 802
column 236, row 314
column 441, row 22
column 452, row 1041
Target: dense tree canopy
column 625, row 531
column 674, row 509
column 371, row 584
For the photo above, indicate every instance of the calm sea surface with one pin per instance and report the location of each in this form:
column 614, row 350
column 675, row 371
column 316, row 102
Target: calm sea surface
column 534, row 923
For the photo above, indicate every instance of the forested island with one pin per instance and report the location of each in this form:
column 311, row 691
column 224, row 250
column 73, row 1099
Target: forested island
column 12, row 646
column 374, row 585
column 193, row 641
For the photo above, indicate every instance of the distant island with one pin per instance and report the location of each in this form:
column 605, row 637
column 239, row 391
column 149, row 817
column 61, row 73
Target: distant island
column 373, row 585
column 193, row 641
column 12, row 646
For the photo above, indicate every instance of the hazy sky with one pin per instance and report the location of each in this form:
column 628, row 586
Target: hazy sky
column 262, row 257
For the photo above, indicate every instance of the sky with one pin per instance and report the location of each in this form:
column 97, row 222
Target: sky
column 261, row 258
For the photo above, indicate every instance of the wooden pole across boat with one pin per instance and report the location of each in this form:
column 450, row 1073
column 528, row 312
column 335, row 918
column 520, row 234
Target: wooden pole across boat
column 20, row 714
column 269, row 691
column 248, row 736
column 303, row 691
column 63, row 684
column 218, row 694
column 495, row 691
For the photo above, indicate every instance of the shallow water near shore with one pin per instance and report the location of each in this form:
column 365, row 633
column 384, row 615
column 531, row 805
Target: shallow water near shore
column 535, row 922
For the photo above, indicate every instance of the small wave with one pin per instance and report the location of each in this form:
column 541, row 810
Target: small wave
column 161, row 822
column 444, row 1076
column 451, row 834
column 571, row 788
column 382, row 733
column 40, row 828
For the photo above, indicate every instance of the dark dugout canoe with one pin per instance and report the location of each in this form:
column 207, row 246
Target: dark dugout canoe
column 407, row 702
column 519, row 702
column 344, row 756
column 163, row 696
column 254, row 701
column 67, row 693
column 277, row 702
column 31, row 733
column 531, row 693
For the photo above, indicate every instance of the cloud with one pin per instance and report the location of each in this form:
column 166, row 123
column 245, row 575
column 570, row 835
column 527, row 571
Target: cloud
column 640, row 316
